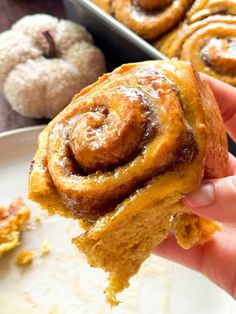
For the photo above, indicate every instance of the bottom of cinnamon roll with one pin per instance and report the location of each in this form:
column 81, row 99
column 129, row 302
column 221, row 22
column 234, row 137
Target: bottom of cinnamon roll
column 122, row 156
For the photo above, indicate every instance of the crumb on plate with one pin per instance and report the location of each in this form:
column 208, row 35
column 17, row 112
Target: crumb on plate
column 13, row 219
column 38, row 217
column 45, row 248
column 25, row 257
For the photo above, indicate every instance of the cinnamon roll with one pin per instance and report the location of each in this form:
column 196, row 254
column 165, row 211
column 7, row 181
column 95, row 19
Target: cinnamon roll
column 209, row 44
column 121, row 156
column 204, row 8
column 147, row 18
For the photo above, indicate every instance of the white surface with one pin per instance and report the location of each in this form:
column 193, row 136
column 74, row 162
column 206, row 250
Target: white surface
column 62, row 282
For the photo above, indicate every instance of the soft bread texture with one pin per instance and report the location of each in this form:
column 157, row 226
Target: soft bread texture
column 133, row 200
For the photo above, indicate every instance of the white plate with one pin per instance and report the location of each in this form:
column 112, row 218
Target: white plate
column 63, row 283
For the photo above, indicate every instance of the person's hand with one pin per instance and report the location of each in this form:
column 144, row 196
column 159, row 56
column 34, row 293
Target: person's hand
column 216, row 200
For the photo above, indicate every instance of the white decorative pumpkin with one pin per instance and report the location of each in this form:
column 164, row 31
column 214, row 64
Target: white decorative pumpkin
column 44, row 62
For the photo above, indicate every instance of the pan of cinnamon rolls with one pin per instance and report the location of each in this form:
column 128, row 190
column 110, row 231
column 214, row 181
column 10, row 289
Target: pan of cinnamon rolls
column 119, row 43
column 202, row 32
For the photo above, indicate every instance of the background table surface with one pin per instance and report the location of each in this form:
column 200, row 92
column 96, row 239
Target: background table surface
column 10, row 12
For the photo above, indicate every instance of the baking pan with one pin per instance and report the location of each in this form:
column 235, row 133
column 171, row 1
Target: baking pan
column 119, row 44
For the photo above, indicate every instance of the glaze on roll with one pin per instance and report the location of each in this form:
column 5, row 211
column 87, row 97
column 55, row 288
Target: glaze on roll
column 122, row 155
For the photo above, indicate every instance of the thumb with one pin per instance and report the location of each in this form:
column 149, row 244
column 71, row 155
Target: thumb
column 215, row 199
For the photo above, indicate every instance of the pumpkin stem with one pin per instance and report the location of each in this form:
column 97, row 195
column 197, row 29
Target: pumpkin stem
column 50, row 51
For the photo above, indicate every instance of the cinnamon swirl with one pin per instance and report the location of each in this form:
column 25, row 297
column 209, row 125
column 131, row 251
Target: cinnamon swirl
column 209, row 44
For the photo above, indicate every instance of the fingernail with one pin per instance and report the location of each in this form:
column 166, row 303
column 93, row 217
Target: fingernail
column 204, row 196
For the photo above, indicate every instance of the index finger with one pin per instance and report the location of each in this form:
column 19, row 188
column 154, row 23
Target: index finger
column 226, row 98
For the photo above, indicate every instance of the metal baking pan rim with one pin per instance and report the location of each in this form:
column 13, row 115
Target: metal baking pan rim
column 119, row 28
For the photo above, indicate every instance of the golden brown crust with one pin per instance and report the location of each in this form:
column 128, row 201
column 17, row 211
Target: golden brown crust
column 151, row 127
column 216, row 159
column 207, row 44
